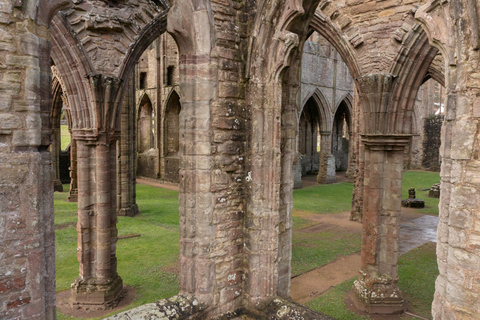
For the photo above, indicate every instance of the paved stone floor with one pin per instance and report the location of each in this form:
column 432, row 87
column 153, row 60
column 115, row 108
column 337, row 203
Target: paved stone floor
column 417, row 232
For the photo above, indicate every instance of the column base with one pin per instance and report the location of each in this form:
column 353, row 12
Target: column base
column 350, row 174
column 327, row 175
column 73, row 196
column 128, row 212
column 57, row 186
column 378, row 295
column 86, row 294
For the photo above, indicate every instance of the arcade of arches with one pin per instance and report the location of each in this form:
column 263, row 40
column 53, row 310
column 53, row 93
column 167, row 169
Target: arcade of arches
column 214, row 95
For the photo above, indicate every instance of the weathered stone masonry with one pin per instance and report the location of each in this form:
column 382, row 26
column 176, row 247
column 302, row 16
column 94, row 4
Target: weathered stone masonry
column 239, row 78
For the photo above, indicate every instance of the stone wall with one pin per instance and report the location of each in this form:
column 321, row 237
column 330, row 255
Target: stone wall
column 432, row 129
column 430, row 104
column 241, row 98
column 325, row 84
column 157, row 78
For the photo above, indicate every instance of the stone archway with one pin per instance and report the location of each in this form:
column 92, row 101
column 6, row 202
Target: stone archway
column 171, row 137
column 146, row 138
column 341, row 137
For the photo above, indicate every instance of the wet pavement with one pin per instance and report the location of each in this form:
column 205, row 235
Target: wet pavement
column 417, row 232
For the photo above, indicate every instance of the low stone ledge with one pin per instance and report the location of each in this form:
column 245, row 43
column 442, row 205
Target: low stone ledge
column 281, row 309
column 176, row 307
column 181, row 307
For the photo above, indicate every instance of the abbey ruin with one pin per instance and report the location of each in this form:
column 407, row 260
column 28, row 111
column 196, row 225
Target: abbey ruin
column 235, row 101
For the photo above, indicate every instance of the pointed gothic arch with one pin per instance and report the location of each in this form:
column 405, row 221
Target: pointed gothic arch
column 171, row 136
column 323, row 107
column 145, row 124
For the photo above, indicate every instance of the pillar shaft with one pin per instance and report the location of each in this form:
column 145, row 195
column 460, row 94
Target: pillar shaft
column 98, row 285
column 73, row 194
column 326, row 169
column 126, row 173
column 376, row 290
column 55, row 150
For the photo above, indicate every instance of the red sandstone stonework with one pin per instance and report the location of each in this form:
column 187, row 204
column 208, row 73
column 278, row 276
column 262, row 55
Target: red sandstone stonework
column 239, row 80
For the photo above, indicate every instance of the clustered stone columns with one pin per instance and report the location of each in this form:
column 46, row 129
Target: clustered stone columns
column 126, row 150
column 326, row 169
column 73, row 193
column 351, row 157
column 98, row 285
column 55, row 150
column 376, row 290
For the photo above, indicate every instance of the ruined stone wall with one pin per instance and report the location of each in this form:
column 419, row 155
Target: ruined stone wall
column 425, row 146
column 157, row 77
column 27, row 253
column 325, row 83
column 432, row 128
column 239, row 80
column 323, row 68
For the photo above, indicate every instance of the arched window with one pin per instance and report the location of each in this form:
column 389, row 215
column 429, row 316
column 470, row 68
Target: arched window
column 145, row 126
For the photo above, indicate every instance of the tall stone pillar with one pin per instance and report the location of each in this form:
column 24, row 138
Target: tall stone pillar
column 326, row 169
column 297, row 171
column 126, row 173
column 98, row 285
column 376, row 290
column 351, row 157
column 55, row 149
column 73, row 193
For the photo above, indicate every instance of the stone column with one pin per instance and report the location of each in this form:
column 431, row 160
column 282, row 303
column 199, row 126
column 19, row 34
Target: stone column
column 98, row 285
column 351, row 157
column 455, row 26
column 358, row 151
column 55, row 148
column 376, row 290
column 297, row 171
column 126, row 173
column 326, row 169
column 73, row 194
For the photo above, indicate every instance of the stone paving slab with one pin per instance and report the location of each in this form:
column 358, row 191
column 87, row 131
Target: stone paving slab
column 418, row 232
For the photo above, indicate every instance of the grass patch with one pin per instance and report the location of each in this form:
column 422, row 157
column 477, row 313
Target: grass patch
column 300, row 223
column 333, row 198
column 64, row 137
column 421, row 180
column 417, row 272
column 332, row 303
column 311, row 250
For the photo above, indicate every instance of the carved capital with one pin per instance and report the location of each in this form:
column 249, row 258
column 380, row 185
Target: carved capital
column 106, row 99
column 375, row 94
column 382, row 142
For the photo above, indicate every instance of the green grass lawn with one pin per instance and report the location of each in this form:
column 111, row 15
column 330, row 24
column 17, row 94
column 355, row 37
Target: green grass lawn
column 311, row 250
column 64, row 137
column 417, row 271
column 421, row 180
column 329, row 198
column 336, row 198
